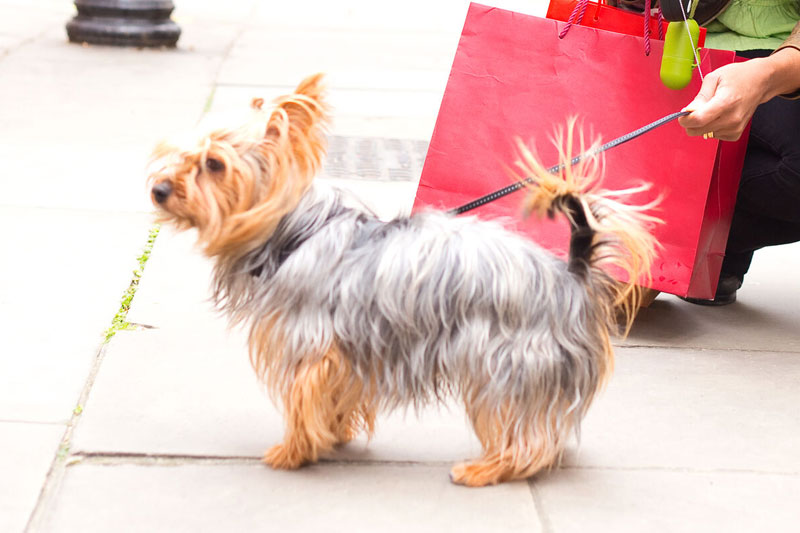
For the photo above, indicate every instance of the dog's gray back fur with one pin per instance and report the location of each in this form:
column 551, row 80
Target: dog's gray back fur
column 439, row 304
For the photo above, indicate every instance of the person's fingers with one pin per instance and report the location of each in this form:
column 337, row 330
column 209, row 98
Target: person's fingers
column 733, row 136
column 716, row 125
column 700, row 115
column 723, row 114
column 703, row 116
column 696, row 132
column 718, row 114
column 721, row 129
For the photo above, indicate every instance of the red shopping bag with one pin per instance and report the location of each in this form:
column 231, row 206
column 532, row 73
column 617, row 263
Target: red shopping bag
column 512, row 77
column 604, row 17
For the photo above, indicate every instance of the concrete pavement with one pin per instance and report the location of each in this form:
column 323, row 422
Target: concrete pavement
column 161, row 429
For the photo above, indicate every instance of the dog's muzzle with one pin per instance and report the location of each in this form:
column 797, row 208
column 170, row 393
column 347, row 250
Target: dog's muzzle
column 161, row 191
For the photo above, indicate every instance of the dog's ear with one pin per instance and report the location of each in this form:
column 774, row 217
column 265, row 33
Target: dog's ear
column 299, row 113
column 312, row 87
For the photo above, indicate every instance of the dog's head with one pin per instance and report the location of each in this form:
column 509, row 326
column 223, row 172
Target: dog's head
column 235, row 184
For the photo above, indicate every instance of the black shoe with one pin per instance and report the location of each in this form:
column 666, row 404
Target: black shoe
column 726, row 292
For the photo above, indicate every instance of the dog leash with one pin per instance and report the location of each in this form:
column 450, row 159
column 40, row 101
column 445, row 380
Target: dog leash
column 611, row 144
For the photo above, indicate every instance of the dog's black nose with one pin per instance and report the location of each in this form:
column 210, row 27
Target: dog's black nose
column 161, row 191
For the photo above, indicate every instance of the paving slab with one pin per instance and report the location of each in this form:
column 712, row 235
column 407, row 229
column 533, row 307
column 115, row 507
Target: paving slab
column 332, row 498
column 28, row 451
column 175, row 289
column 403, row 114
column 376, row 60
column 190, row 391
column 764, row 317
column 25, row 20
column 63, row 279
column 93, row 147
column 387, row 65
column 363, row 15
column 696, row 409
column 578, row 500
column 180, row 391
column 188, row 14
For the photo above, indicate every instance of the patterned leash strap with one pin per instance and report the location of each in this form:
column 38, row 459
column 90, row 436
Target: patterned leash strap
column 611, row 144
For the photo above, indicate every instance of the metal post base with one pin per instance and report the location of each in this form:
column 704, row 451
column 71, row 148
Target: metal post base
column 124, row 23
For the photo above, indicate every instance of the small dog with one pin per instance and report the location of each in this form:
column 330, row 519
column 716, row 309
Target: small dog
column 350, row 316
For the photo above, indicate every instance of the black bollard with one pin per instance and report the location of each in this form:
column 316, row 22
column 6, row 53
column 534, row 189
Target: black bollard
column 124, row 23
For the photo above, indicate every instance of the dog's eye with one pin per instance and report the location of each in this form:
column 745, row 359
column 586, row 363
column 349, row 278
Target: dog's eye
column 214, row 165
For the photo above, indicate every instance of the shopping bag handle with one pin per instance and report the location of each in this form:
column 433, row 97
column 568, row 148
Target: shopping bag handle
column 580, row 9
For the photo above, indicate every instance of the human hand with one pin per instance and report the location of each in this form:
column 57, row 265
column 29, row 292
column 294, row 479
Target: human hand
column 729, row 95
column 727, row 100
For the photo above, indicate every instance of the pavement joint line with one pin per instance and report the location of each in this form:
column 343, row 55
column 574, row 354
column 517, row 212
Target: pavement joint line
column 153, row 459
column 361, row 181
column 538, row 505
column 683, row 470
column 55, row 475
column 139, row 325
column 23, row 43
column 120, row 322
column 226, row 53
column 281, row 86
column 32, row 422
column 77, row 209
column 148, row 459
column 348, row 30
column 707, row 349
column 384, row 462
column 209, row 102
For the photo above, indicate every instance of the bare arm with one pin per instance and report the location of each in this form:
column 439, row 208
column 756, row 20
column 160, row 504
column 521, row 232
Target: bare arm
column 729, row 95
column 794, row 39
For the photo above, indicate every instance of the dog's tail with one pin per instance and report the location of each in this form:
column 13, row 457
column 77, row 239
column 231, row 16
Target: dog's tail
column 606, row 232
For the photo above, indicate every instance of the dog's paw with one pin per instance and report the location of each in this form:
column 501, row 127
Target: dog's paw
column 345, row 435
column 476, row 474
column 280, row 457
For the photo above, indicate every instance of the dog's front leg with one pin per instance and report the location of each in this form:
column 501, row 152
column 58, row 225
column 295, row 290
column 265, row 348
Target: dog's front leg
column 323, row 407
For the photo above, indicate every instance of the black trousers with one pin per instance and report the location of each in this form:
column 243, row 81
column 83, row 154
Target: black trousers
column 768, row 205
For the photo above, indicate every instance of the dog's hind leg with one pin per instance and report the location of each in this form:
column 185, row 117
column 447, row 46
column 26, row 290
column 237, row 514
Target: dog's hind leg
column 349, row 424
column 323, row 407
column 510, row 449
